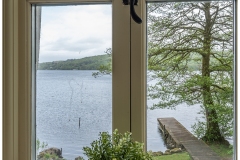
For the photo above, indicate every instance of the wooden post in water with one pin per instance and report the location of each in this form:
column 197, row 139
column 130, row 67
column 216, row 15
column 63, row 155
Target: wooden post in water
column 79, row 122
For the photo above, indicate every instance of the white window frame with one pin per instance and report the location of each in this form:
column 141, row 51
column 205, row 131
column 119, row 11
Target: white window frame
column 129, row 77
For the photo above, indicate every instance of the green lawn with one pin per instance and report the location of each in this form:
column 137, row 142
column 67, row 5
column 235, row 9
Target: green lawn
column 223, row 150
column 177, row 156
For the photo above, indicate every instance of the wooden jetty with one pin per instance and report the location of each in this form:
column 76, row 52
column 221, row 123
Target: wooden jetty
column 181, row 137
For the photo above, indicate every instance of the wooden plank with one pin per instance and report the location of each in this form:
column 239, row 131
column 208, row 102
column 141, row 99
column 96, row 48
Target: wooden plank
column 175, row 131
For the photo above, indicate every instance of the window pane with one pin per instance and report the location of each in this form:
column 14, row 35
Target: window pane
column 73, row 99
column 190, row 74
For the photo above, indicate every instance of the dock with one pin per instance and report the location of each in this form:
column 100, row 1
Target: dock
column 175, row 133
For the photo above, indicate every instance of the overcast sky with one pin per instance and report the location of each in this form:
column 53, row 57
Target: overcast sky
column 72, row 32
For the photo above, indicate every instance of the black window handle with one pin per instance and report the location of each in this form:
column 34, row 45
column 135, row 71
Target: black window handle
column 132, row 10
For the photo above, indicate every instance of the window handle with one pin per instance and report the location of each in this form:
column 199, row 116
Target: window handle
column 132, row 10
column 133, row 13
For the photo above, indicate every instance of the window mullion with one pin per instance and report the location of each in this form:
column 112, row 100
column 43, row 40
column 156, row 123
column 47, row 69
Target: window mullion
column 138, row 80
column 121, row 67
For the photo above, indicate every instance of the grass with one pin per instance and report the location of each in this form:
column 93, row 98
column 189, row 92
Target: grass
column 223, row 150
column 176, row 156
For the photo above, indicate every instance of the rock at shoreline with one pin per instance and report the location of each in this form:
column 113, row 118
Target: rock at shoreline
column 175, row 150
column 50, row 152
column 167, row 152
column 79, row 158
column 159, row 153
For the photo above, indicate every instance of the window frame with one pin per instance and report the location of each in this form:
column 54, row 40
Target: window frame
column 130, row 99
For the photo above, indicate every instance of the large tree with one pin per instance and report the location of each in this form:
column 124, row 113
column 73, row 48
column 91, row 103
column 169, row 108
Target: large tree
column 190, row 54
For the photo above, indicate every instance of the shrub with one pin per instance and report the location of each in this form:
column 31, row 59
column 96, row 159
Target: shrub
column 118, row 147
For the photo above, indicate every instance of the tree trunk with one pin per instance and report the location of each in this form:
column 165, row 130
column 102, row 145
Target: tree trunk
column 213, row 133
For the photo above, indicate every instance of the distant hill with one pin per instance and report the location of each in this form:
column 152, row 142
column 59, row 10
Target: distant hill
column 87, row 63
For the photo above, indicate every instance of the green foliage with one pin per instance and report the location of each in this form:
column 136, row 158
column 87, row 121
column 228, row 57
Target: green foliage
column 118, row 147
column 105, row 69
column 230, row 150
column 40, row 145
column 223, row 150
column 199, row 129
column 49, row 156
column 87, row 63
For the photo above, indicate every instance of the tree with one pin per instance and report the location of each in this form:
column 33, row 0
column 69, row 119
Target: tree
column 105, row 69
column 199, row 34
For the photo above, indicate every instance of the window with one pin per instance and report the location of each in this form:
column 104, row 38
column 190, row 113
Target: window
column 128, row 79
column 71, row 105
column 190, row 67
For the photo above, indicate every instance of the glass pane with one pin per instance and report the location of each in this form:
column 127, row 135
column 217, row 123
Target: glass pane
column 190, row 77
column 73, row 98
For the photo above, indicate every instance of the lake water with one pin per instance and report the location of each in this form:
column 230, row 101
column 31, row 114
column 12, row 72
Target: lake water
column 65, row 96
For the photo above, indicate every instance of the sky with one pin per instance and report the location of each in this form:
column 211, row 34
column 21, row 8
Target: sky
column 73, row 32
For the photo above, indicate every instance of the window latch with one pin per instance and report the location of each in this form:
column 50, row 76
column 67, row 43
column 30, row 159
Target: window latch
column 132, row 10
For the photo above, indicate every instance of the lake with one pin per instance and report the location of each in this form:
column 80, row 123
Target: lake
column 65, row 96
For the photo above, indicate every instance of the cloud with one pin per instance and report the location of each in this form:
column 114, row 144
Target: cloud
column 69, row 32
